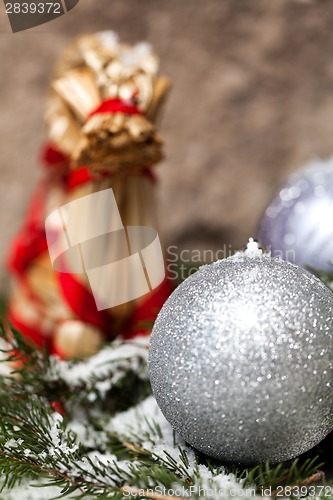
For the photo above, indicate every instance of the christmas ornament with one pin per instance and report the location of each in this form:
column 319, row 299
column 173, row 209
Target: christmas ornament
column 297, row 225
column 241, row 359
column 76, row 339
column 103, row 100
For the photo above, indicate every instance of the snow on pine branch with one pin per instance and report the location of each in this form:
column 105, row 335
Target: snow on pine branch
column 103, row 370
column 160, row 462
column 103, row 452
column 147, row 427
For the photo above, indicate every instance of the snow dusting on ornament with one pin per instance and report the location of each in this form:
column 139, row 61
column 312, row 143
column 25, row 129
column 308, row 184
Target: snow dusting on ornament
column 241, row 359
column 298, row 223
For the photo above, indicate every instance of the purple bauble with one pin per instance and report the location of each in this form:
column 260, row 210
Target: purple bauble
column 298, row 224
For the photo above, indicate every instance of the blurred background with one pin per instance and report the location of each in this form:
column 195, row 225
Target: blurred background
column 252, row 100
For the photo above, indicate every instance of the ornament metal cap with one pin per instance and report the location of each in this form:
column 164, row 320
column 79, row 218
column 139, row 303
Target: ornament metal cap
column 253, row 248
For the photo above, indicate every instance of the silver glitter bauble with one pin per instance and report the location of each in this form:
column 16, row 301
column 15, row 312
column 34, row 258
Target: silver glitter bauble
column 241, row 359
column 297, row 224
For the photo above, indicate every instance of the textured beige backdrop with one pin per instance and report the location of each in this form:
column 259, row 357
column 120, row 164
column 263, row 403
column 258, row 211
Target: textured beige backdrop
column 252, row 100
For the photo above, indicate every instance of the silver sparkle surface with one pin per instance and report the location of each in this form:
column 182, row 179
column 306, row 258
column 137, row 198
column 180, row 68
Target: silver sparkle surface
column 298, row 223
column 241, row 360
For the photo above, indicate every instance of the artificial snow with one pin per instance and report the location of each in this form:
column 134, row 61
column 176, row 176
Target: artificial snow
column 111, row 359
column 143, row 425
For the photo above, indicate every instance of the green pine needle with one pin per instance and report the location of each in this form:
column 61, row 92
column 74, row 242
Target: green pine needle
column 37, row 444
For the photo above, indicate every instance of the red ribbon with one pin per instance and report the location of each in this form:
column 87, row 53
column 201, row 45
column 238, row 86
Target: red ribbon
column 82, row 302
column 77, row 177
column 31, row 240
column 33, row 333
column 116, row 105
column 51, row 156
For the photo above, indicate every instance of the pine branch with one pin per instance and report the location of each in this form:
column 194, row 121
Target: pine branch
column 110, row 381
column 34, row 442
column 291, row 474
column 112, row 459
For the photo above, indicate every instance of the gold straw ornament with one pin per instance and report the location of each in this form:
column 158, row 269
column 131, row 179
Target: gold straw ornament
column 118, row 146
column 97, row 69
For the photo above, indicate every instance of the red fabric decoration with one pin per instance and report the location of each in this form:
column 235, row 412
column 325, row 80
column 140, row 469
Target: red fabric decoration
column 145, row 314
column 116, row 106
column 33, row 333
column 31, row 240
column 78, row 177
column 31, row 243
column 82, row 302
column 51, row 156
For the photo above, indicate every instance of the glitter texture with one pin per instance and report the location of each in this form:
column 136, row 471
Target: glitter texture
column 241, row 359
column 297, row 225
